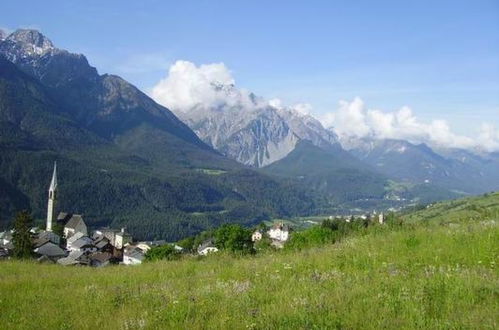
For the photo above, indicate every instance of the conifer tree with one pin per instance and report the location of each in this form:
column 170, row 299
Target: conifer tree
column 21, row 238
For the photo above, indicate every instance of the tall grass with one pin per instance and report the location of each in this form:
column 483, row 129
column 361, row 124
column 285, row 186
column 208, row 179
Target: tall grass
column 420, row 276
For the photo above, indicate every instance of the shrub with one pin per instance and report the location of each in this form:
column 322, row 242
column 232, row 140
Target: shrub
column 234, row 238
column 162, row 252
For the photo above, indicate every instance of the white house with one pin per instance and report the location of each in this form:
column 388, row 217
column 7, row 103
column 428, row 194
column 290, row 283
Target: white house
column 279, row 232
column 207, row 248
column 133, row 255
column 256, row 236
column 6, row 237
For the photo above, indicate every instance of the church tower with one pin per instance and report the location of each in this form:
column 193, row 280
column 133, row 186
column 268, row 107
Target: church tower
column 52, row 199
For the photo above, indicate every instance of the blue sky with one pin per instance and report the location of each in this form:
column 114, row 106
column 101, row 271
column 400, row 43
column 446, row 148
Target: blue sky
column 441, row 58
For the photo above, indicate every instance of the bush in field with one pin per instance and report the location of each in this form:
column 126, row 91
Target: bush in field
column 264, row 244
column 187, row 243
column 313, row 236
column 162, row 252
column 234, row 238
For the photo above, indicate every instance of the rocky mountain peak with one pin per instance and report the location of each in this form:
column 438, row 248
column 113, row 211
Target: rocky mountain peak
column 3, row 35
column 31, row 42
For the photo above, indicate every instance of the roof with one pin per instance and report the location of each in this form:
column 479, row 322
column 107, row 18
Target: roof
column 101, row 256
column 68, row 261
column 50, row 249
column 40, row 241
column 75, row 220
column 101, row 243
column 132, row 251
column 76, row 254
column 82, row 242
column 48, row 235
column 63, row 216
column 75, row 237
column 206, row 244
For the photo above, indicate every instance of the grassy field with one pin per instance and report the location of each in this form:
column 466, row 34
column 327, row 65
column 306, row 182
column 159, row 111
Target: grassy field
column 440, row 273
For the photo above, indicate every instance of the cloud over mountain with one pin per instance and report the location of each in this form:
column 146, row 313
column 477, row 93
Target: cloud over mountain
column 209, row 85
column 354, row 119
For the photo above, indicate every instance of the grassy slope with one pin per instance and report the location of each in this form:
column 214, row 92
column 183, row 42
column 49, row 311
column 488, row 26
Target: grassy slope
column 438, row 274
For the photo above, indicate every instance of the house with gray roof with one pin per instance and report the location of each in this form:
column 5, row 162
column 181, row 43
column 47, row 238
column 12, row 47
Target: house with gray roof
column 100, row 259
column 133, row 255
column 50, row 250
column 117, row 237
column 46, row 236
column 73, row 223
column 73, row 239
column 83, row 244
column 74, row 258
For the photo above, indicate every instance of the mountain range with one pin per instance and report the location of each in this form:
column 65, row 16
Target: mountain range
column 125, row 160
column 259, row 133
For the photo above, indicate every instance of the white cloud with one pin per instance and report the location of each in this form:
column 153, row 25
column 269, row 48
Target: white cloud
column 188, row 85
column 353, row 119
column 488, row 137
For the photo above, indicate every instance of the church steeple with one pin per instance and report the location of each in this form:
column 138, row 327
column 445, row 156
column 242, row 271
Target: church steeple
column 52, row 199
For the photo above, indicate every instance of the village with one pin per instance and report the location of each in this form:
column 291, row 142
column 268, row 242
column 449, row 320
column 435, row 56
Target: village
column 76, row 245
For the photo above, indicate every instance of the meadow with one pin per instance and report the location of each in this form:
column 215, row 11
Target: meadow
column 436, row 268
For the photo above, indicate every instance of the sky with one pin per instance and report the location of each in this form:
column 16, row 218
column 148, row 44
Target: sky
column 438, row 58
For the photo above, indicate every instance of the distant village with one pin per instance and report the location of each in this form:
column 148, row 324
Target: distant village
column 78, row 246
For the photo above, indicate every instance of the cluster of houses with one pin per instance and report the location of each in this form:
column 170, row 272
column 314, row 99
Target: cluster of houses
column 279, row 233
column 76, row 245
column 374, row 217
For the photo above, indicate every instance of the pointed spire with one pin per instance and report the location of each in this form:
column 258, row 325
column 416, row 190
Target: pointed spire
column 53, row 183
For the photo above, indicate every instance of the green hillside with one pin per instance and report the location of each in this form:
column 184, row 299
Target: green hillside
column 347, row 181
column 437, row 268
